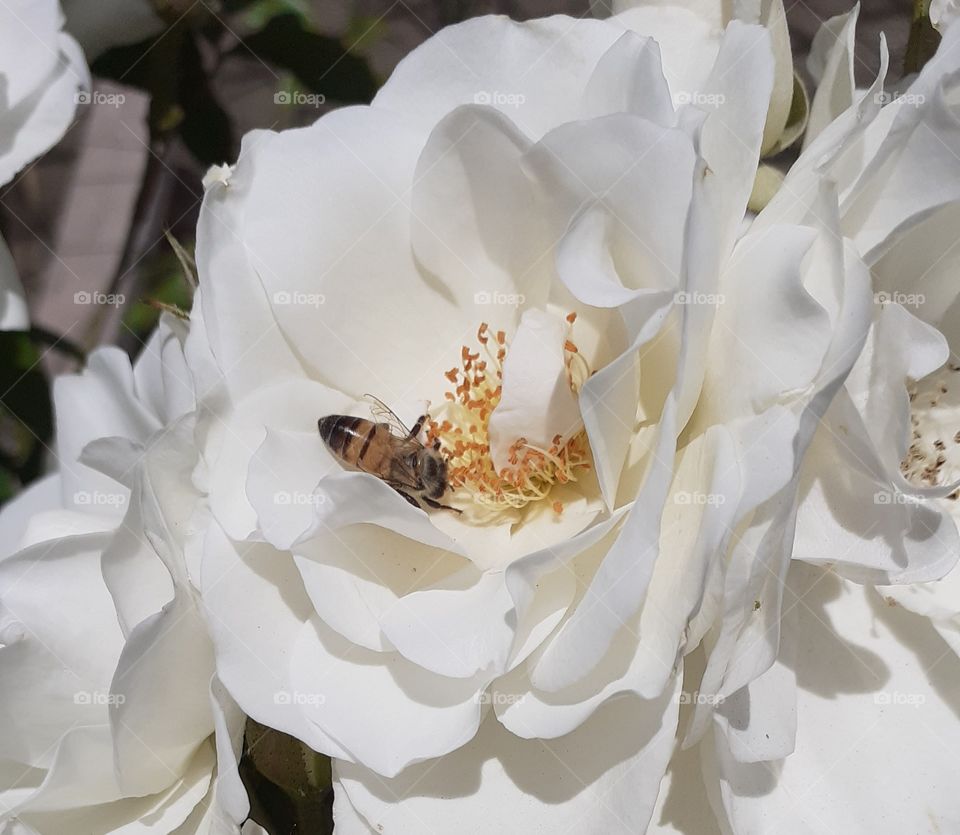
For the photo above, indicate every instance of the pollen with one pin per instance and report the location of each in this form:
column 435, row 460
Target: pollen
column 463, row 432
column 933, row 458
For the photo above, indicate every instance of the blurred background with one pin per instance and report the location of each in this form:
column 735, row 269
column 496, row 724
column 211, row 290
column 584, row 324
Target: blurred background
column 175, row 87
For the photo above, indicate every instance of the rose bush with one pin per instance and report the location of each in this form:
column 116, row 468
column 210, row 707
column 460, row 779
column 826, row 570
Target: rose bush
column 41, row 71
column 531, row 231
column 106, row 667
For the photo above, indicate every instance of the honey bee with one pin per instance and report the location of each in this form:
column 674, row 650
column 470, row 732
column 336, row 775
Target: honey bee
column 387, row 449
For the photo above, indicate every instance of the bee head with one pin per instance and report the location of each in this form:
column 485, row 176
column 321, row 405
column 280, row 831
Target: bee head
column 432, row 469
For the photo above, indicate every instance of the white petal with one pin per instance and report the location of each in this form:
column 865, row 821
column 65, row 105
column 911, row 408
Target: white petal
column 338, row 698
column 859, row 523
column 61, row 642
column 357, row 573
column 629, row 79
column 250, row 349
column 616, row 162
column 38, row 102
column 831, row 63
column 921, row 270
column 535, row 72
column 914, row 171
column 163, row 675
column 39, row 496
column 164, row 811
column 162, row 379
column 269, row 422
column 459, row 631
column 100, row 402
column 770, row 335
column 618, row 588
column 13, row 305
column 602, row 778
column 688, row 40
column 475, row 225
column 229, row 723
column 943, row 13
column 876, row 715
column 537, row 403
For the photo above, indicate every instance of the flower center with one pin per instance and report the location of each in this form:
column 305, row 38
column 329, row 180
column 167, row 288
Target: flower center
column 934, row 455
column 463, row 429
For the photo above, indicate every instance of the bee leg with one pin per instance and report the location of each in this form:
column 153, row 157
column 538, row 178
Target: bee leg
column 415, row 429
column 407, row 496
column 439, row 506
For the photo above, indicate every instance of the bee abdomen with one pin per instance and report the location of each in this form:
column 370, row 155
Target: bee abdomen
column 347, row 437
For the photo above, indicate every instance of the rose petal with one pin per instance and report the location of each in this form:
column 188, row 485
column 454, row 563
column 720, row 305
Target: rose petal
column 537, row 403
column 602, row 778
column 867, row 688
column 13, row 304
column 831, row 63
column 534, row 71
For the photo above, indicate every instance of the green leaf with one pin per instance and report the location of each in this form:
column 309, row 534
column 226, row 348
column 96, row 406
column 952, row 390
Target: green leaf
column 321, row 63
column 289, row 785
column 206, row 129
column 170, row 70
column 256, row 14
column 167, row 286
column 923, row 40
column 26, row 412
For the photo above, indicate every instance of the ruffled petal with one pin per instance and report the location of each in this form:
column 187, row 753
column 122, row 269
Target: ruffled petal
column 602, row 778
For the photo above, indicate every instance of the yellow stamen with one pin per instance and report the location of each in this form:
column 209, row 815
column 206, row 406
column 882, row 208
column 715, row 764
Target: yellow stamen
column 464, row 432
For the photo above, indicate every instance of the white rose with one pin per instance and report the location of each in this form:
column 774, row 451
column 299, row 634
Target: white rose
column 41, row 73
column 506, row 176
column 115, row 720
column 858, row 698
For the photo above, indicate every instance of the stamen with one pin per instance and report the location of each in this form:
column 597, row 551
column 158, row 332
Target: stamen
column 464, row 432
column 933, row 458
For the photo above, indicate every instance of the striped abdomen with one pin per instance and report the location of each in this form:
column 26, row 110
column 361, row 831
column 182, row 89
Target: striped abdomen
column 359, row 443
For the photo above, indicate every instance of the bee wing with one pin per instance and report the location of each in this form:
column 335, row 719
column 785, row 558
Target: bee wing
column 384, row 414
